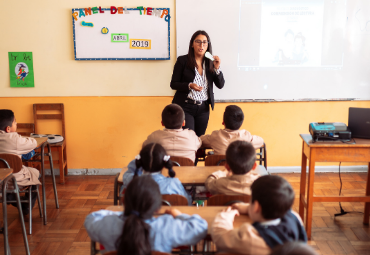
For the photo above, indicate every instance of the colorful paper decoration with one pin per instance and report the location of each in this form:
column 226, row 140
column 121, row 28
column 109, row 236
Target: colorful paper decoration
column 87, row 24
column 141, row 44
column 119, row 38
column 21, row 69
column 104, row 30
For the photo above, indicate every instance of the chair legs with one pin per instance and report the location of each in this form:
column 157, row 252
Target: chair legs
column 53, row 176
column 115, row 195
column 39, row 201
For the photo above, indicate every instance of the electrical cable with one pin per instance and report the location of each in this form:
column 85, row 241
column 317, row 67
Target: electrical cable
column 342, row 212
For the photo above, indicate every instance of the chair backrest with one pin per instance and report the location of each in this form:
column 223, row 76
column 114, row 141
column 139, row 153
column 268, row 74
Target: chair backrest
column 215, row 160
column 220, row 200
column 13, row 160
column 153, row 253
column 25, row 129
column 182, row 161
column 49, row 107
column 174, row 199
column 262, row 156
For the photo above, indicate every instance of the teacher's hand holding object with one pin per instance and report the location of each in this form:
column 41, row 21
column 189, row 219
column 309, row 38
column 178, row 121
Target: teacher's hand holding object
column 193, row 77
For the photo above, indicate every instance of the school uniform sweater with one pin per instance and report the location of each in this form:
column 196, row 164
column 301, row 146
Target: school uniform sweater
column 166, row 232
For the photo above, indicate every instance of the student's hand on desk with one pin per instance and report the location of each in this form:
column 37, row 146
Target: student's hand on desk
column 242, row 208
column 174, row 212
column 195, row 87
column 232, row 211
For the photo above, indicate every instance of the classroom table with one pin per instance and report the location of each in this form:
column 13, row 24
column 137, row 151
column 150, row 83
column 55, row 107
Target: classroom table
column 330, row 151
column 5, row 176
column 206, row 212
column 194, row 175
column 41, row 143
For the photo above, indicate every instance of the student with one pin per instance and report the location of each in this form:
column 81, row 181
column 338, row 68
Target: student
column 220, row 139
column 177, row 141
column 241, row 171
column 136, row 231
column 274, row 223
column 151, row 160
column 12, row 143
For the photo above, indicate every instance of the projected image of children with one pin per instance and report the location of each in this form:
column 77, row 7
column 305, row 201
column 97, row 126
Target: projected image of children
column 293, row 51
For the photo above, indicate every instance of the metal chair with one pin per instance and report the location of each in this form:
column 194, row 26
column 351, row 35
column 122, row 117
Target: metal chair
column 174, row 199
column 14, row 190
column 181, row 161
column 14, row 162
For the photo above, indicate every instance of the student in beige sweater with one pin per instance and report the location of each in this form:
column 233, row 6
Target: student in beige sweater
column 218, row 140
column 175, row 140
column 240, row 171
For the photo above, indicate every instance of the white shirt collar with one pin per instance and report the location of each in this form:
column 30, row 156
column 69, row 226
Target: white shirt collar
column 274, row 222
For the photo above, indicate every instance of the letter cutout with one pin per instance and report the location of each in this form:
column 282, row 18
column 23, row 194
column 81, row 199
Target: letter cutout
column 157, row 12
column 113, row 10
column 126, row 11
column 164, row 12
column 95, row 10
column 75, row 14
column 149, row 11
column 167, row 18
column 140, row 8
column 81, row 13
column 100, row 10
column 88, row 11
column 120, row 10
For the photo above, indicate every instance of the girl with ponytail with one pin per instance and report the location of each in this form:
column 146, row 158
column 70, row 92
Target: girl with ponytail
column 135, row 231
column 151, row 160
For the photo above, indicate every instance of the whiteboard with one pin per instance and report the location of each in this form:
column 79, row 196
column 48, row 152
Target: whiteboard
column 153, row 31
column 284, row 49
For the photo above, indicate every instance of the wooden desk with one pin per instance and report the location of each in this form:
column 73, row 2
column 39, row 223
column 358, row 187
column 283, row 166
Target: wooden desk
column 194, row 175
column 5, row 172
column 330, row 152
column 40, row 141
column 207, row 212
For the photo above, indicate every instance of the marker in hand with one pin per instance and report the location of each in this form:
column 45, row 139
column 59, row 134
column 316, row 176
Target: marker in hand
column 209, row 56
column 215, row 59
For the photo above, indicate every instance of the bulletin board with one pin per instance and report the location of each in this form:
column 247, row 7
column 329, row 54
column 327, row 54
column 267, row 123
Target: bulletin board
column 119, row 33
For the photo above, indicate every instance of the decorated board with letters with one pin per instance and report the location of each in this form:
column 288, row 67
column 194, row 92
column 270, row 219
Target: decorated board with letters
column 121, row 33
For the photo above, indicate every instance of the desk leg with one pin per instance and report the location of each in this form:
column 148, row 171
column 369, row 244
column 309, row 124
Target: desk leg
column 43, row 183
column 367, row 205
column 53, row 177
column 311, row 178
column 302, row 184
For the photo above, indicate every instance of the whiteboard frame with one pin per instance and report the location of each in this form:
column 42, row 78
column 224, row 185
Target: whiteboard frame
column 129, row 9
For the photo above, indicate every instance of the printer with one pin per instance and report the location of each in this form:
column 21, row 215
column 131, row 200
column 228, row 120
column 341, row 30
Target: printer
column 321, row 131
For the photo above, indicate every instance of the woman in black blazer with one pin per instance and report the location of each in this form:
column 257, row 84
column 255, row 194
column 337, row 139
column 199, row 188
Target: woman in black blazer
column 193, row 77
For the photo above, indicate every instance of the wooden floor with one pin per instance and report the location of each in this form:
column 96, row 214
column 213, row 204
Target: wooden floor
column 65, row 234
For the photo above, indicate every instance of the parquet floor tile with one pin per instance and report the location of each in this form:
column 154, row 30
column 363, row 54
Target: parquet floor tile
column 65, row 235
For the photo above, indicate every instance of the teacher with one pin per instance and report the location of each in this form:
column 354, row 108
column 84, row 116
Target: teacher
column 193, row 77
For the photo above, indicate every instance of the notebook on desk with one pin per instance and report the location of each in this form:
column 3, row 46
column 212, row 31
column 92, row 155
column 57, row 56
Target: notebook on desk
column 359, row 122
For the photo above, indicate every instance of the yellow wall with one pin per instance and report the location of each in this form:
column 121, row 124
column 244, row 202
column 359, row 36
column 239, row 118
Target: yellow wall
column 106, row 132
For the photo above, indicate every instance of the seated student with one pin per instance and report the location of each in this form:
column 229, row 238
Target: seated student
column 274, row 223
column 12, row 143
column 136, row 231
column 176, row 141
column 241, row 171
column 220, row 139
column 151, row 160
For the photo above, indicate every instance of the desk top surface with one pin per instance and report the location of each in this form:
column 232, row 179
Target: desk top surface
column 194, row 174
column 40, row 141
column 207, row 212
column 359, row 142
column 5, row 172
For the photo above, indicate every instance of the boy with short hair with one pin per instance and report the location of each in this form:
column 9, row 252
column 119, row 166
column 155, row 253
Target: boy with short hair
column 241, row 171
column 175, row 140
column 220, row 139
column 12, row 143
column 274, row 223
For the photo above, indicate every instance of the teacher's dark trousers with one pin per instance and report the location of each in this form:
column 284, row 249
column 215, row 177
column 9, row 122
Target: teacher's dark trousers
column 196, row 117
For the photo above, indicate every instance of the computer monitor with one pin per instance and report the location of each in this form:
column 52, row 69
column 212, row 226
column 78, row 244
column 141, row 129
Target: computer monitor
column 359, row 122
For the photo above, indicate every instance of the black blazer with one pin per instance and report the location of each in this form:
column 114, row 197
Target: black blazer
column 183, row 75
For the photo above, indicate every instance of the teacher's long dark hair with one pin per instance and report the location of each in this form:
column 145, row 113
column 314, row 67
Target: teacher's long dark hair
column 142, row 199
column 191, row 57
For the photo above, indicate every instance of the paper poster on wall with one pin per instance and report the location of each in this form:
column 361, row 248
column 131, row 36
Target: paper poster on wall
column 21, row 69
